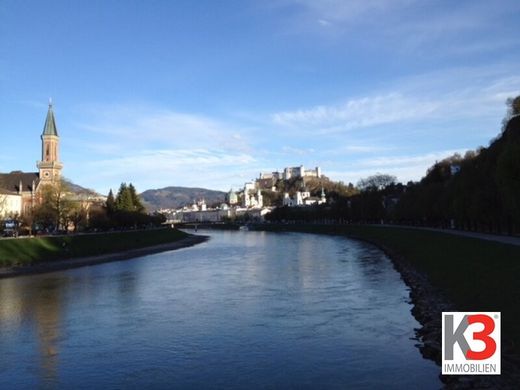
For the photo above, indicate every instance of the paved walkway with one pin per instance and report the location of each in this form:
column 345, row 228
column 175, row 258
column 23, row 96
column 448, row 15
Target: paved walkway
column 482, row 236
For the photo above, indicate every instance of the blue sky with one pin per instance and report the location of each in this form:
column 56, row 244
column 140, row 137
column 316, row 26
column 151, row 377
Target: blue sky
column 210, row 93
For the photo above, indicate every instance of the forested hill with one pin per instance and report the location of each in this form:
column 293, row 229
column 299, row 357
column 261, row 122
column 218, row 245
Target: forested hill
column 175, row 197
column 484, row 195
column 478, row 191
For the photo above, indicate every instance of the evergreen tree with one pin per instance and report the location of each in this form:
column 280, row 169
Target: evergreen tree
column 124, row 199
column 137, row 205
column 111, row 202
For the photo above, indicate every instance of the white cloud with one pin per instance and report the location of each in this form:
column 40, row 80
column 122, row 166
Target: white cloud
column 154, row 147
column 398, row 161
column 324, row 22
column 405, row 168
column 357, row 113
column 160, row 168
column 346, row 11
column 457, row 93
column 407, row 27
column 173, row 159
column 357, row 149
column 297, row 151
column 141, row 126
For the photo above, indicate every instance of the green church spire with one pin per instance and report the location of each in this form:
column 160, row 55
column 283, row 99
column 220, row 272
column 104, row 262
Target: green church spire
column 50, row 123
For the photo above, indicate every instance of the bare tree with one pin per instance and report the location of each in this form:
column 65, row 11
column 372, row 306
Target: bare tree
column 513, row 109
column 376, row 182
column 77, row 214
column 56, row 203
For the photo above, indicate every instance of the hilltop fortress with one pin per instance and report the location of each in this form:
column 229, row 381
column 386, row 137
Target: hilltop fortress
column 291, row 172
column 250, row 203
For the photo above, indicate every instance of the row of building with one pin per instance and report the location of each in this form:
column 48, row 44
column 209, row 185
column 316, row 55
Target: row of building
column 304, row 198
column 219, row 214
column 248, row 203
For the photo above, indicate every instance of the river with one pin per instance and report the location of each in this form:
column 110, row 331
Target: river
column 243, row 310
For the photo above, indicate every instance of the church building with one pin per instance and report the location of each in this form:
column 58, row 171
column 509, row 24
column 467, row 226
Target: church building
column 19, row 191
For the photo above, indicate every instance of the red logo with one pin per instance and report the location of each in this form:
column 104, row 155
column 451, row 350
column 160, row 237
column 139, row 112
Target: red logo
column 471, row 343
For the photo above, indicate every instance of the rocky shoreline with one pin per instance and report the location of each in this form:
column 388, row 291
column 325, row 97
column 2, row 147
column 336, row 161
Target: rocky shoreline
column 58, row 265
column 428, row 305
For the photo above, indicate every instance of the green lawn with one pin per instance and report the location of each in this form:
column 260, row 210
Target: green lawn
column 24, row 251
column 477, row 275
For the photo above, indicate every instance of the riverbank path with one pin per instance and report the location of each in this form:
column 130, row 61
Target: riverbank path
column 512, row 240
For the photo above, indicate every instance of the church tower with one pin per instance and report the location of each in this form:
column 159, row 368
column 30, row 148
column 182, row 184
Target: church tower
column 50, row 165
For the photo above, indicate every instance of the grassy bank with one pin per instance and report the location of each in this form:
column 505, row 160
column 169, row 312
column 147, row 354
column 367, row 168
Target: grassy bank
column 26, row 251
column 476, row 275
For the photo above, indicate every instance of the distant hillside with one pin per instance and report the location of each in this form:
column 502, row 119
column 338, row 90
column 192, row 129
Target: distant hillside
column 314, row 186
column 77, row 189
column 175, row 197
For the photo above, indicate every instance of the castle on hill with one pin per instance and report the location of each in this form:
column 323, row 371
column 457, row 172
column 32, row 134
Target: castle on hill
column 291, row 173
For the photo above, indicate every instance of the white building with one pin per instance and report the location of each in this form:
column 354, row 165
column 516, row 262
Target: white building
column 218, row 215
column 232, row 197
column 10, row 204
column 258, row 214
column 270, row 175
column 292, row 172
column 213, row 215
column 197, row 206
column 303, row 198
column 249, row 186
column 252, row 196
column 297, row 172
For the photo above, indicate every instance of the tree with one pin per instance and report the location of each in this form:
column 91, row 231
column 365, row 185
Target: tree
column 128, row 200
column 99, row 219
column 508, row 178
column 376, row 182
column 513, row 109
column 137, row 205
column 514, row 105
column 272, row 198
column 110, row 203
column 124, row 199
column 54, row 207
column 77, row 215
column 27, row 222
column 128, row 209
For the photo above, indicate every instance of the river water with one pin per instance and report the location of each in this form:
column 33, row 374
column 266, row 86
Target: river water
column 243, row 310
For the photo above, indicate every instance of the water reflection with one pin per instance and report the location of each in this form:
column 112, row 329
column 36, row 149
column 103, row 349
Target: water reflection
column 39, row 305
column 246, row 309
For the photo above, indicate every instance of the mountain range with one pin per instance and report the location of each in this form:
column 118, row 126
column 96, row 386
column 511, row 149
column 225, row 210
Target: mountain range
column 175, row 197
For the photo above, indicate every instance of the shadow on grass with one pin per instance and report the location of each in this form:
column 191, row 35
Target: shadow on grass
column 26, row 251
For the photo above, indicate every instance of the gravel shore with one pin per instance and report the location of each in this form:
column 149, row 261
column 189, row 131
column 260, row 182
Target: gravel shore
column 428, row 305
